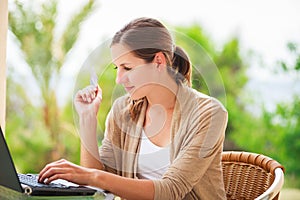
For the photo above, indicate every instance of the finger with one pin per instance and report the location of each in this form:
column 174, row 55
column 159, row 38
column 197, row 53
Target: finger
column 64, row 176
column 99, row 92
column 92, row 92
column 89, row 93
column 96, row 91
column 52, row 174
column 52, row 178
column 80, row 96
column 43, row 173
column 85, row 96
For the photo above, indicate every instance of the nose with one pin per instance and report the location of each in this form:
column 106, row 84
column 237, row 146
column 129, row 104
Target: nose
column 121, row 76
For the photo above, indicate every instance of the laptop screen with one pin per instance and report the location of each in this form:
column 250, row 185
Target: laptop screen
column 8, row 174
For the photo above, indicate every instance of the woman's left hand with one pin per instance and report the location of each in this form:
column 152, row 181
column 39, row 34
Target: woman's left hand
column 63, row 169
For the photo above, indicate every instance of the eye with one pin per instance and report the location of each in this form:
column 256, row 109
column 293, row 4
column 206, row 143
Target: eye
column 123, row 67
column 127, row 68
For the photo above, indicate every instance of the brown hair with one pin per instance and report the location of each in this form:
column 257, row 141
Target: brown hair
column 147, row 36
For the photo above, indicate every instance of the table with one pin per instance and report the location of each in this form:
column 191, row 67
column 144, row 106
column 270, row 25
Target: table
column 8, row 194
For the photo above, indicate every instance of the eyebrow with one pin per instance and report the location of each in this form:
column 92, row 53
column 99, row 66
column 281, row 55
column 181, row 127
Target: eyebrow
column 122, row 64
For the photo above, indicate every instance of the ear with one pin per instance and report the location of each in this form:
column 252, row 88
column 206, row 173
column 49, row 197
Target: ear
column 160, row 59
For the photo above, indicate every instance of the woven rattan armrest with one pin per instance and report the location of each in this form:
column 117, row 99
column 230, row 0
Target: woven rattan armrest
column 251, row 176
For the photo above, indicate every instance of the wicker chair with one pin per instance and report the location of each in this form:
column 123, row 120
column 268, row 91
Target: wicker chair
column 251, row 176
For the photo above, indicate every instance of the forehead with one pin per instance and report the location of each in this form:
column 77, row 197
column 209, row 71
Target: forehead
column 118, row 50
column 122, row 54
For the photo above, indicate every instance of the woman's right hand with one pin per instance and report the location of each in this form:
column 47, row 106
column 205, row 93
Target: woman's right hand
column 88, row 99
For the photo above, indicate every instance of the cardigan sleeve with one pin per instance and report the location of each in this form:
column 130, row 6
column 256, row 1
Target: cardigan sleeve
column 200, row 144
column 112, row 148
column 106, row 151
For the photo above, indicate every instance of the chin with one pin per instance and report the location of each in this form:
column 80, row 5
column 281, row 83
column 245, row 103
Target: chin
column 136, row 95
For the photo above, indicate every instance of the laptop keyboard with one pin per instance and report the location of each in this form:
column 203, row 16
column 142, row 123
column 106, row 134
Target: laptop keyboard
column 32, row 180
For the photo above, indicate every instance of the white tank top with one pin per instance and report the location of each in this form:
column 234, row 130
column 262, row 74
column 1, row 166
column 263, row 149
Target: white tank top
column 153, row 161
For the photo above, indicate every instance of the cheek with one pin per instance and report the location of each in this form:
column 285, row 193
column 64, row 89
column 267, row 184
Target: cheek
column 143, row 76
column 142, row 79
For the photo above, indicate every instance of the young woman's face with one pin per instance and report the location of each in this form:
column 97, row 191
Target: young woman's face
column 136, row 76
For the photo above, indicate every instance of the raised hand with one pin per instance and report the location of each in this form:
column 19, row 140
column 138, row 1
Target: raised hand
column 88, row 99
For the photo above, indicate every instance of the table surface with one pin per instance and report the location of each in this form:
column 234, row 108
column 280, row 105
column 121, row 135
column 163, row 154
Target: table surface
column 8, row 194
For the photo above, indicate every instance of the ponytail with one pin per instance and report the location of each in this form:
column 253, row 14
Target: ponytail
column 181, row 63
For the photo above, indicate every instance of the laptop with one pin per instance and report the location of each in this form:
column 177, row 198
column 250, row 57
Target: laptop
column 28, row 184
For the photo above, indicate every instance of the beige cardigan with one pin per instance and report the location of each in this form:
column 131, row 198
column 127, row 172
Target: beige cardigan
column 197, row 130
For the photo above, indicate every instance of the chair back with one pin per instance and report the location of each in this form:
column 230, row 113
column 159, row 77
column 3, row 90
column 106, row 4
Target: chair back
column 251, row 176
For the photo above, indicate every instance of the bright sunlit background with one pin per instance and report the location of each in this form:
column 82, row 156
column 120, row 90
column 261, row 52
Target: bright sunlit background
column 42, row 117
column 263, row 27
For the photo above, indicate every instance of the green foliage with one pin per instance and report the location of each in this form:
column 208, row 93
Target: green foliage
column 219, row 73
column 289, row 114
column 42, row 125
column 293, row 48
column 27, row 136
column 277, row 133
column 69, row 37
column 287, row 117
column 46, row 131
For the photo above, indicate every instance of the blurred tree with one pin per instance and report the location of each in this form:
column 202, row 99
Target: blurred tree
column 277, row 133
column 286, row 118
column 33, row 25
column 219, row 72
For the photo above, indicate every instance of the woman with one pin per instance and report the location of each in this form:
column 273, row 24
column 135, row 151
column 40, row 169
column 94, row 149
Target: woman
column 163, row 139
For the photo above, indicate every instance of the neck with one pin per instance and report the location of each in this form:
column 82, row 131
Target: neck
column 164, row 96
